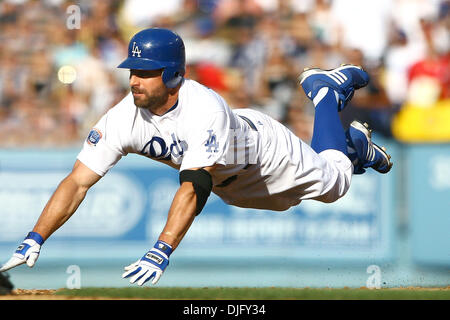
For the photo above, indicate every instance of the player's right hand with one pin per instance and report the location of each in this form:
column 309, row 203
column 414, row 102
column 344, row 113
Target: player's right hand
column 151, row 266
column 27, row 252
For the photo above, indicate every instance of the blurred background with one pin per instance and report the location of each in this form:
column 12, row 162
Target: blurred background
column 58, row 76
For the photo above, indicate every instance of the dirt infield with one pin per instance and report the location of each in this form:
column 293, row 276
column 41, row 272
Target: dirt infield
column 22, row 294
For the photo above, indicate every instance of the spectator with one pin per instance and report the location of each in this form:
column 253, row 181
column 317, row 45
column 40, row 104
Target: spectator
column 428, row 98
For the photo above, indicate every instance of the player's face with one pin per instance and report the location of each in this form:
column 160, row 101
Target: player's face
column 148, row 89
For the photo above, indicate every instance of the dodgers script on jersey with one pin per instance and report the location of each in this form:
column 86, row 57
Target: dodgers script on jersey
column 260, row 163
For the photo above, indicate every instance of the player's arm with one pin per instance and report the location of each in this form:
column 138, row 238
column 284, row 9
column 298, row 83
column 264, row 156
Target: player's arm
column 62, row 204
column 65, row 200
column 196, row 185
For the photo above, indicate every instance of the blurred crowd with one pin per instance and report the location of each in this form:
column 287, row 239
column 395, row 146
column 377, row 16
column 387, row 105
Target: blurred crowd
column 250, row 51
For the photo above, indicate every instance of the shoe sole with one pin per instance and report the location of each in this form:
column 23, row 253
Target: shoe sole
column 333, row 74
column 364, row 128
column 387, row 157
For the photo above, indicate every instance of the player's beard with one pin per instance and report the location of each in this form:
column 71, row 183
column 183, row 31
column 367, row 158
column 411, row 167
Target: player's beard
column 153, row 101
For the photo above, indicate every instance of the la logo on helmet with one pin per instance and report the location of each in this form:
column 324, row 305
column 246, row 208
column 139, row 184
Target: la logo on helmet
column 136, row 50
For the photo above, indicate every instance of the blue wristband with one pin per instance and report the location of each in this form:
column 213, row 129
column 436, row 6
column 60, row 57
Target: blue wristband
column 36, row 237
column 163, row 247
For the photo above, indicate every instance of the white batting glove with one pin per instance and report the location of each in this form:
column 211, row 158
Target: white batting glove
column 27, row 252
column 151, row 266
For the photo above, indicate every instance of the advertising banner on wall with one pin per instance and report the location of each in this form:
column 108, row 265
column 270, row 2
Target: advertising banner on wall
column 428, row 198
column 131, row 203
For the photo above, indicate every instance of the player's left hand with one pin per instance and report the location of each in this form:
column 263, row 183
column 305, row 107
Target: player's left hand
column 27, row 252
column 151, row 266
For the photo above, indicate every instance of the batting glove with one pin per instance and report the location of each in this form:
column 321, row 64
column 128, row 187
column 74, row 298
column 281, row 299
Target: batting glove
column 28, row 251
column 151, row 266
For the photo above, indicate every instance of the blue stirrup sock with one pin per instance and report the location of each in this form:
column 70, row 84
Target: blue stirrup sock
column 328, row 132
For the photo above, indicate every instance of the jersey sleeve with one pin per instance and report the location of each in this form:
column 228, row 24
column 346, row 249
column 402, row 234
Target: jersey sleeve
column 207, row 142
column 102, row 149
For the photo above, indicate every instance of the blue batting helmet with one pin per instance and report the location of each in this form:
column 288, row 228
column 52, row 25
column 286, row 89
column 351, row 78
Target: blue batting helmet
column 157, row 48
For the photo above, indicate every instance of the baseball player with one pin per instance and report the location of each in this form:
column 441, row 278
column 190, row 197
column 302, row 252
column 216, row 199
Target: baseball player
column 244, row 156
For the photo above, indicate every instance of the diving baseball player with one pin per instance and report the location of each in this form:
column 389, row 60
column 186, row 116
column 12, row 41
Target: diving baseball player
column 244, row 156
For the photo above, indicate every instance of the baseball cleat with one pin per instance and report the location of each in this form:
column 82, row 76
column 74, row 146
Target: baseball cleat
column 363, row 152
column 344, row 80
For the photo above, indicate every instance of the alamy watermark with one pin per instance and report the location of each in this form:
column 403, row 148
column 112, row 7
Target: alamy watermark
column 74, row 279
column 374, row 280
column 242, row 149
column 73, row 20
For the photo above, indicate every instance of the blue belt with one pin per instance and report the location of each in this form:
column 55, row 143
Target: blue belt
column 250, row 123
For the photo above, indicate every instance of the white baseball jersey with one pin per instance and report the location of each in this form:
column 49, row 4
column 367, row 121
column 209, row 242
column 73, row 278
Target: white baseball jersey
column 261, row 163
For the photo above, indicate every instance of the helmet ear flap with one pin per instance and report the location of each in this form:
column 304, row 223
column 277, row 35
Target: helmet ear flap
column 172, row 77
